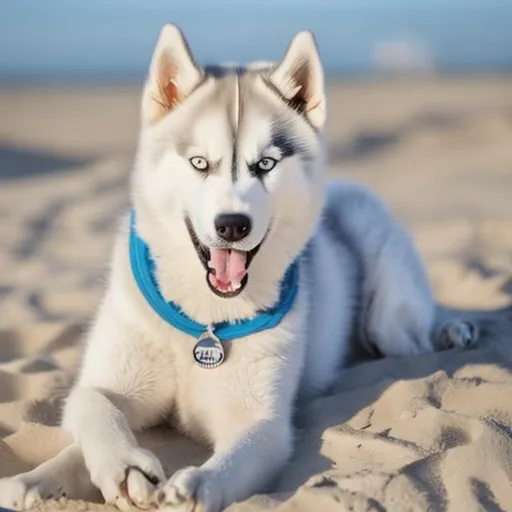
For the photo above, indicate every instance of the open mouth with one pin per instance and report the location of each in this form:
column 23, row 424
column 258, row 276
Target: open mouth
column 226, row 269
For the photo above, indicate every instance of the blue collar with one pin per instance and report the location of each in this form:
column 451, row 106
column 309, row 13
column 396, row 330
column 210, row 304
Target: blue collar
column 143, row 268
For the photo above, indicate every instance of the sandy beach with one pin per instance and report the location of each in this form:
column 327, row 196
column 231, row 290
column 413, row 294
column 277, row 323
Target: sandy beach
column 432, row 432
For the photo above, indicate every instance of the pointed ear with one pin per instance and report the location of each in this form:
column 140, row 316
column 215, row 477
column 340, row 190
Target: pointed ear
column 300, row 78
column 173, row 74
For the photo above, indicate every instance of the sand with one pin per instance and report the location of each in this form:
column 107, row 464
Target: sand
column 432, row 432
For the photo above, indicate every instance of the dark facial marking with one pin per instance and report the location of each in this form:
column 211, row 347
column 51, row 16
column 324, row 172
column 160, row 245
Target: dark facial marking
column 234, row 167
column 283, row 138
column 288, row 146
column 216, row 71
column 284, row 141
column 256, row 171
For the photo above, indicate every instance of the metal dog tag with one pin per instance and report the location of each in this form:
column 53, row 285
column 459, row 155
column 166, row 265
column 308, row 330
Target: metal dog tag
column 208, row 351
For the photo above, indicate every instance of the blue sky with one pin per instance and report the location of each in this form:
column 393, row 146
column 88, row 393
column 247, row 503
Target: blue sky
column 115, row 37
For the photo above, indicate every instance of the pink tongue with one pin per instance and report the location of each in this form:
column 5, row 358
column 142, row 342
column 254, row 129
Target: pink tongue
column 229, row 265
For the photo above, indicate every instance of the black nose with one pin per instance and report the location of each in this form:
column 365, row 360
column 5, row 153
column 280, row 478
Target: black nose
column 232, row 227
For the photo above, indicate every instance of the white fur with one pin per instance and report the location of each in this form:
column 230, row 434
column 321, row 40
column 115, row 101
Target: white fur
column 359, row 274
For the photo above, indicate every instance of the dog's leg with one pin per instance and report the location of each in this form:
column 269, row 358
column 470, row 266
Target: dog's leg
column 64, row 475
column 124, row 472
column 398, row 309
column 124, row 384
column 243, row 463
column 400, row 313
column 249, row 425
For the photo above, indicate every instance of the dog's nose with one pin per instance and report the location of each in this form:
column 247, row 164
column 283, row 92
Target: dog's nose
column 232, row 227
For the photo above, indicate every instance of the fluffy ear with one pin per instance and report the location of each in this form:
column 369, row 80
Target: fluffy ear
column 300, row 78
column 173, row 74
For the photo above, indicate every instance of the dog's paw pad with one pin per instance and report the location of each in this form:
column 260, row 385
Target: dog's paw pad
column 128, row 477
column 171, row 496
column 181, row 487
column 17, row 494
column 459, row 333
column 139, row 488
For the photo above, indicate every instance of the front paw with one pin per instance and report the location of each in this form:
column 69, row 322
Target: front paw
column 20, row 493
column 191, row 489
column 127, row 477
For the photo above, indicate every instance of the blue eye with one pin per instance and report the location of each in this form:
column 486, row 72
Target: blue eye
column 199, row 163
column 266, row 164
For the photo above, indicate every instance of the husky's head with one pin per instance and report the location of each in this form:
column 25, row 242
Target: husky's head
column 228, row 184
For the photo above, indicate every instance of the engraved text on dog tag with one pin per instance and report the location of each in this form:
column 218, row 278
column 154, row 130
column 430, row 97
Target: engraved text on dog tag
column 208, row 351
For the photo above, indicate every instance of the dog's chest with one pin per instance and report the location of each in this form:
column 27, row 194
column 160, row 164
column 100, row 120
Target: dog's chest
column 209, row 400
column 203, row 393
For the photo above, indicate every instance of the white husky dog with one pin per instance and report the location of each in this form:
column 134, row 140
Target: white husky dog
column 240, row 283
